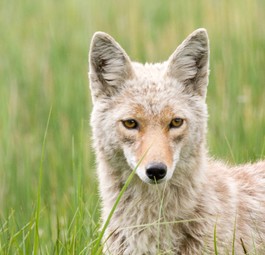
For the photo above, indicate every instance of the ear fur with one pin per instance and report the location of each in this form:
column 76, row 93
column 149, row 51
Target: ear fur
column 190, row 62
column 109, row 65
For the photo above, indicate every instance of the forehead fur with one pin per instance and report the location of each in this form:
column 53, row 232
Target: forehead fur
column 154, row 90
column 151, row 95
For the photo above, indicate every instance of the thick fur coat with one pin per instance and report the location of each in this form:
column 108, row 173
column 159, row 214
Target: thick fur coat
column 179, row 200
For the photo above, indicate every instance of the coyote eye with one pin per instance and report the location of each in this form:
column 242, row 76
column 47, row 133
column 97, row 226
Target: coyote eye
column 176, row 123
column 130, row 124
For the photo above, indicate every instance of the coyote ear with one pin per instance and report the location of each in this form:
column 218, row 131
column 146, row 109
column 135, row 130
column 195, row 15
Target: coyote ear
column 189, row 63
column 109, row 65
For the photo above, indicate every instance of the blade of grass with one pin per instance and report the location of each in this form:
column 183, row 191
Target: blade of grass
column 160, row 213
column 97, row 248
column 37, row 212
column 263, row 148
column 230, row 148
column 234, row 238
column 28, row 227
column 243, row 246
column 215, row 240
column 163, row 223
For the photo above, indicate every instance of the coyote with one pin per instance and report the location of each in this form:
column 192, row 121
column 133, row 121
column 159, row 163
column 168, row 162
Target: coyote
column 153, row 118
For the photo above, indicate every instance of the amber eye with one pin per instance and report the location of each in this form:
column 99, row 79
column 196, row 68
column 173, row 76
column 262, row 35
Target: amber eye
column 130, row 124
column 176, row 123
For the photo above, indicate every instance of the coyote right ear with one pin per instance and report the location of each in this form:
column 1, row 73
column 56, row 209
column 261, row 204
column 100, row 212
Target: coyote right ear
column 109, row 65
column 189, row 64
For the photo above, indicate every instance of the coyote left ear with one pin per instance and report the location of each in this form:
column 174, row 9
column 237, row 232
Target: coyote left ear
column 190, row 62
column 109, row 65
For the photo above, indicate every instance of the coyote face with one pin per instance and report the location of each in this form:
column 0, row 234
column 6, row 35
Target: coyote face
column 152, row 114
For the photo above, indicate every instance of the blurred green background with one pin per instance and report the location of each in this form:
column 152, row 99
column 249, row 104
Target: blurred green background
column 51, row 206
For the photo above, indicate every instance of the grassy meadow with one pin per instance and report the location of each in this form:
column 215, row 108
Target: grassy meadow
column 48, row 189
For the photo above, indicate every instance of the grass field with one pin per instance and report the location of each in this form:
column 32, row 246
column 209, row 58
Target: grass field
column 48, row 189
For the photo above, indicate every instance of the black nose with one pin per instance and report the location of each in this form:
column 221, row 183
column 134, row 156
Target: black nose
column 156, row 171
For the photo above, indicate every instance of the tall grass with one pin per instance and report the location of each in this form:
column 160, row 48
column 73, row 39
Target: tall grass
column 43, row 65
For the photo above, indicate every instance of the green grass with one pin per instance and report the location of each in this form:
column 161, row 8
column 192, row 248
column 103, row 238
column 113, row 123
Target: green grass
column 43, row 66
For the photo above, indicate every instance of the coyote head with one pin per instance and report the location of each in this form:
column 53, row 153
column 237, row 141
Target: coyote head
column 156, row 110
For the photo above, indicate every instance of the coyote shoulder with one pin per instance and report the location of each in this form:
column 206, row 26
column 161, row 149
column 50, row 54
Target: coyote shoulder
column 156, row 115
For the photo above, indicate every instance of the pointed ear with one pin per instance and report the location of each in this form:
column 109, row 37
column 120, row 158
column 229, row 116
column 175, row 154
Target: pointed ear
column 109, row 65
column 189, row 64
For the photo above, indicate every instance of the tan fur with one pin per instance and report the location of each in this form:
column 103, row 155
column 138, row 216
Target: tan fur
column 197, row 194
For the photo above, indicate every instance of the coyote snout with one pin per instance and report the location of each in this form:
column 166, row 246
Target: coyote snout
column 156, row 147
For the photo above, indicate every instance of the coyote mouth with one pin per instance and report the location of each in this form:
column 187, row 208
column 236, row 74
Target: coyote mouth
column 154, row 182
